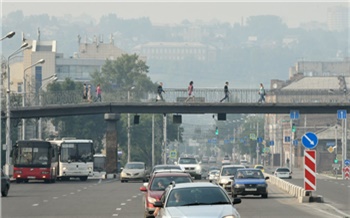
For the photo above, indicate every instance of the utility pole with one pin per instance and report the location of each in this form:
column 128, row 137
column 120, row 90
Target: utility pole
column 257, row 143
column 165, row 137
column 153, row 162
column 291, row 145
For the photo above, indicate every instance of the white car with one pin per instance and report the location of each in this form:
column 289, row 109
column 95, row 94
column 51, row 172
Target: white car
column 283, row 173
column 134, row 171
column 190, row 165
column 198, row 199
column 226, row 173
column 213, row 175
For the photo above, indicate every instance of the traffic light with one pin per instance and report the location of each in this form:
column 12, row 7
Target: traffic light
column 335, row 160
column 294, row 128
column 217, row 131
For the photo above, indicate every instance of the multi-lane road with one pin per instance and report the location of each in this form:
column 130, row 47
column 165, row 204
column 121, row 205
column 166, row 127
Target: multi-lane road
column 111, row 198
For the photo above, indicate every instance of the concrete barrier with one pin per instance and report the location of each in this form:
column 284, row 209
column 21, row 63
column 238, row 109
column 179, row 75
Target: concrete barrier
column 295, row 191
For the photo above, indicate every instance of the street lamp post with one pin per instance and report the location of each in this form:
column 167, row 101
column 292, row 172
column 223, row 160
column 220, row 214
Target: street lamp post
column 129, row 126
column 50, row 79
column 41, row 61
column 8, row 35
column 8, row 113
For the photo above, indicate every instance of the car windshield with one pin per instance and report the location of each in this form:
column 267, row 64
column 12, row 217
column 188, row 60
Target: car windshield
column 166, row 167
column 249, row 174
column 188, row 161
column 259, row 167
column 282, row 170
column 134, row 166
column 160, row 183
column 197, row 196
column 229, row 171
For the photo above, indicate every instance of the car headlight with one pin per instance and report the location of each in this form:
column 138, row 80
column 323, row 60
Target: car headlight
column 198, row 167
column 229, row 216
column 261, row 185
column 151, row 200
column 64, row 168
column 123, row 174
column 224, row 181
column 239, row 185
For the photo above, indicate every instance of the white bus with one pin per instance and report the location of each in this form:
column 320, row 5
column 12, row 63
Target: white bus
column 99, row 166
column 75, row 158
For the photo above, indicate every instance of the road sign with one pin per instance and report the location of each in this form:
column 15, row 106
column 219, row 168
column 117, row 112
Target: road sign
column 252, row 136
column 295, row 142
column 272, row 143
column 310, row 170
column 294, row 114
column 287, row 139
column 330, row 144
column 259, row 139
column 346, row 171
column 341, row 114
column 330, row 149
column 173, row 154
column 309, row 140
column 347, row 162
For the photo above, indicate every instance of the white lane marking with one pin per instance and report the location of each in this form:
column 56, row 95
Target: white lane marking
column 72, row 193
column 45, row 201
column 123, row 204
column 79, row 190
column 348, row 186
column 342, row 184
column 64, row 195
column 99, row 181
column 128, row 200
column 118, row 208
column 115, row 214
column 85, row 187
column 35, row 205
column 336, row 182
column 54, row 198
column 134, row 196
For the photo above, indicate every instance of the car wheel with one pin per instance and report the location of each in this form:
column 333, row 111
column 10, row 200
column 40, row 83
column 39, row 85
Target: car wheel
column 5, row 192
column 122, row 181
column 234, row 196
column 264, row 195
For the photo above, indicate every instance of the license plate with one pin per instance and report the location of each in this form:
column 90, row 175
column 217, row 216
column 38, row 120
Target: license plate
column 250, row 189
column 31, row 177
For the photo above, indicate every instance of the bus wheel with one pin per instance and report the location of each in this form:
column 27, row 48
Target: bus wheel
column 83, row 178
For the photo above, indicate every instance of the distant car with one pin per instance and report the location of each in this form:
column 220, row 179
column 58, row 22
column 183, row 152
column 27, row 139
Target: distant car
column 5, row 184
column 226, row 174
column 260, row 167
column 166, row 167
column 155, row 188
column 283, row 173
column 193, row 200
column 243, row 162
column 134, row 171
column 212, row 159
column 190, row 165
column 226, row 160
column 213, row 175
column 205, row 159
column 249, row 182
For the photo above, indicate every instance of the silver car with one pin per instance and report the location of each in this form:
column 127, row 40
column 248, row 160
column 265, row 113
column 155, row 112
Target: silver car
column 193, row 200
column 134, row 171
column 227, row 172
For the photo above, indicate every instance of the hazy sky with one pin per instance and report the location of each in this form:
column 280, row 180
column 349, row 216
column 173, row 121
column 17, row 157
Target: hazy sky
column 161, row 12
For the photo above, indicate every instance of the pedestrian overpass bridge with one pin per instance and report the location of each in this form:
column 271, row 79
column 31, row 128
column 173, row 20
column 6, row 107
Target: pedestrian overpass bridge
column 69, row 103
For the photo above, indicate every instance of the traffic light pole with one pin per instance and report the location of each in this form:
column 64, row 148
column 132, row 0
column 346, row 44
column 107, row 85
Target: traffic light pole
column 290, row 145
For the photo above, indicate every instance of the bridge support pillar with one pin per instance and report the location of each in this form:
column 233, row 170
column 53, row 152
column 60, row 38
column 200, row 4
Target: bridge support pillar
column 111, row 142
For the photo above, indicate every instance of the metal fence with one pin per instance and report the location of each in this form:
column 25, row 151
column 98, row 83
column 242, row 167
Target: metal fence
column 179, row 96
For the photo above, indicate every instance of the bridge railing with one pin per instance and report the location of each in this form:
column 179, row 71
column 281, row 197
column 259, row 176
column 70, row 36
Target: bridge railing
column 179, row 95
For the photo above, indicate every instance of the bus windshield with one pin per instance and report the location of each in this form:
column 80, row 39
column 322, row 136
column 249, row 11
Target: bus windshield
column 77, row 152
column 32, row 156
column 99, row 164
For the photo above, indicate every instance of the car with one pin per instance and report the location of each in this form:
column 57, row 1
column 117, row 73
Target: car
column 226, row 160
column 283, row 173
column 190, row 165
column 249, row 181
column 205, row 159
column 153, row 191
column 134, row 171
column 213, row 175
column 226, row 174
column 260, row 167
column 5, row 184
column 212, row 159
column 166, row 167
column 244, row 162
column 194, row 200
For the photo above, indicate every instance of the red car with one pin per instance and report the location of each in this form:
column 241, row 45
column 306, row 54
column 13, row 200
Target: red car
column 155, row 187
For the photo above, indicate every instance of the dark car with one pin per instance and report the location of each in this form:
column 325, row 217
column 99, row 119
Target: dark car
column 5, row 184
column 249, row 182
column 156, row 186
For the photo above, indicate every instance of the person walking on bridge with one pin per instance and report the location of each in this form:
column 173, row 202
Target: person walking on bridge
column 227, row 92
column 262, row 93
column 98, row 93
column 160, row 90
column 190, row 92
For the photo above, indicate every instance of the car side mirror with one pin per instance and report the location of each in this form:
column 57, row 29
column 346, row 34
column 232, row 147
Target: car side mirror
column 158, row 204
column 232, row 178
column 121, row 168
column 266, row 178
column 236, row 201
column 143, row 188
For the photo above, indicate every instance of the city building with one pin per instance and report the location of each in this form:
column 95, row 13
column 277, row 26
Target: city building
column 338, row 18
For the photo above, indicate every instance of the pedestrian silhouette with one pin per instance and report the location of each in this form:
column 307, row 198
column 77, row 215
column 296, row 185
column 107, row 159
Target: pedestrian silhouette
column 160, row 90
column 190, row 92
column 262, row 93
column 226, row 91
